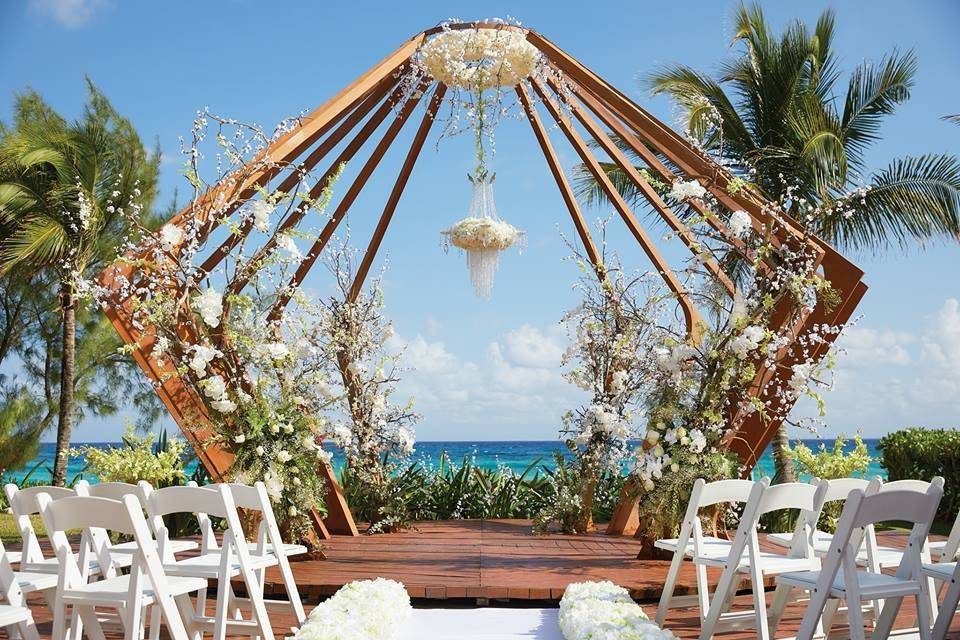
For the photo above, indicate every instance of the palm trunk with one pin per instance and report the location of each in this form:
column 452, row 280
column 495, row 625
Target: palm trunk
column 65, row 419
column 782, row 463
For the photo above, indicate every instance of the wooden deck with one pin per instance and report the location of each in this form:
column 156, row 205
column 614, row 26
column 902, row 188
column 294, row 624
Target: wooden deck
column 455, row 563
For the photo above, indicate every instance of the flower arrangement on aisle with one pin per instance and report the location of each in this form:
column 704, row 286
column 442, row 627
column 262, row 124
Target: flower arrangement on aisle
column 365, row 609
column 605, row 611
column 255, row 366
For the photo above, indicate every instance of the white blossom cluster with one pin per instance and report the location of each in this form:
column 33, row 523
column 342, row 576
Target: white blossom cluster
column 482, row 234
column 362, row 610
column 605, row 611
column 478, row 59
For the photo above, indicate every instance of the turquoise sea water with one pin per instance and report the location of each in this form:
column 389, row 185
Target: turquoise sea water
column 516, row 455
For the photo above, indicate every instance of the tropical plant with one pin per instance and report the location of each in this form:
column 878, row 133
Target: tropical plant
column 139, row 458
column 63, row 187
column 925, row 453
column 772, row 117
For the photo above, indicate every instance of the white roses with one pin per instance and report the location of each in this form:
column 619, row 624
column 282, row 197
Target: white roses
column 369, row 609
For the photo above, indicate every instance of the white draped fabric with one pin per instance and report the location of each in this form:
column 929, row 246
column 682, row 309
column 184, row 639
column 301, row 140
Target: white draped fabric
column 488, row 623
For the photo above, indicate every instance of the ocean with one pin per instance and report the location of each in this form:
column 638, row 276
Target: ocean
column 517, row 455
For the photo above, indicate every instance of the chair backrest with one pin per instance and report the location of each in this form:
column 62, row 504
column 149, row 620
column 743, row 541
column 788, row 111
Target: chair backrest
column 23, row 504
column 126, row 515
column 840, row 488
column 256, row 498
column 711, row 493
column 793, row 495
column 113, row 490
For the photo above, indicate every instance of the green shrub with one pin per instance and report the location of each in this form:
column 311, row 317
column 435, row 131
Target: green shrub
column 138, row 459
column 831, row 464
column 922, row 454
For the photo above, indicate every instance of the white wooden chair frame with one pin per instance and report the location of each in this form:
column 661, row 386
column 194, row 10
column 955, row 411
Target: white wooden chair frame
column 15, row 615
column 745, row 557
column 840, row 579
column 270, row 542
column 130, row 595
column 23, row 504
column 231, row 560
column 692, row 544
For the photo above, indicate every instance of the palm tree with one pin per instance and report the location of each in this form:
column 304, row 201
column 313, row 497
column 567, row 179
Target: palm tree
column 63, row 187
column 779, row 117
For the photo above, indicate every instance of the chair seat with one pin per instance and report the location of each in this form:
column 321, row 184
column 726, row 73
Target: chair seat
column 177, row 546
column 50, row 565
column 940, row 570
column 711, row 546
column 13, row 557
column 887, row 556
column 770, row 563
column 286, row 549
column 871, row 584
column 10, row 614
column 115, row 591
column 30, row 581
column 207, row 565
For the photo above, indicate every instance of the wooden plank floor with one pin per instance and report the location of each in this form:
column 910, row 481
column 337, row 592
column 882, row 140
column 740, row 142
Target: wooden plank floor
column 451, row 564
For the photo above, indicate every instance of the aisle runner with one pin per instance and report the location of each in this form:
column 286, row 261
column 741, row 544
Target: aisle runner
column 483, row 624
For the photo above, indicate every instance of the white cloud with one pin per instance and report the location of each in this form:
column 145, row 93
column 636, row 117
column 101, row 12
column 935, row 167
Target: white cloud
column 514, row 390
column 69, row 13
column 866, row 347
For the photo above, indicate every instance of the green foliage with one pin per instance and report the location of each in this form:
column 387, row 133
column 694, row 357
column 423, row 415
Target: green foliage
column 138, row 459
column 922, row 454
column 469, row 491
column 830, row 464
column 20, row 421
column 663, row 509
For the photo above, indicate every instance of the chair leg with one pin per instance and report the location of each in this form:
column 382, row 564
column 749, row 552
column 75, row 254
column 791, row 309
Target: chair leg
column 716, row 605
column 891, row 607
column 28, row 629
column 781, row 597
column 947, row 610
column 155, row 622
column 759, row 602
column 923, row 615
column 668, row 586
column 828, row 617
column 293, row 593
column 220, row 615
column 88, row 616
column 60, row 621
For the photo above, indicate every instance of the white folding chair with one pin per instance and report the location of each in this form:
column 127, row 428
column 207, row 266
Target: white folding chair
column 693, row 544
column 220, row 564
column 116, row 491
column 15, row 615
column 948, row 572
column 270, row 543
column 837, row 490
column 840, row 579
column 145, row 585
column 23, row 504
column 745, row 559
column 946, row 550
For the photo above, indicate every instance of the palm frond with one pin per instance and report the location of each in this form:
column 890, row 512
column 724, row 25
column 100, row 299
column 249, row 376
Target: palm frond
column 875, row 91
column 38, row 240
column 913, row 199
column 953, row 118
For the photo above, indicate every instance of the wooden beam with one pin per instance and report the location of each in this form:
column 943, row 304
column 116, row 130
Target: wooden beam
column 612, row 150
column 351, row 194
column 298, row 171
column 565, row 191
column 391, row 206
column 238, row 187
column 691, row 314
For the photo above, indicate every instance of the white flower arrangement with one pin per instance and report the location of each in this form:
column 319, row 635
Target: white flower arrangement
column 366, row 609
column 480, row 58
column 739, row 223
column 684, row 190
column 209, row 304
column 482, row 234
column 605, row 611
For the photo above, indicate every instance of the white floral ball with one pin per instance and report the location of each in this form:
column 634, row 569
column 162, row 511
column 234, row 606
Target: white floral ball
column 480, row 58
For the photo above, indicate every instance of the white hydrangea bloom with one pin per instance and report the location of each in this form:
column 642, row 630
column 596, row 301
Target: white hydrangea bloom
column 209, row 304
column 170, row 237
column 739, row 223
column 684, row 190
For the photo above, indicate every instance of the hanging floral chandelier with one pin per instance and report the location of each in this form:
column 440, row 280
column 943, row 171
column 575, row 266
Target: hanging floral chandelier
column 481, row 63
column 482, row 235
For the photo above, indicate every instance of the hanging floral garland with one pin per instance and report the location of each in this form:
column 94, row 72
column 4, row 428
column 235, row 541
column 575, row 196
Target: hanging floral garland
column 481, row 63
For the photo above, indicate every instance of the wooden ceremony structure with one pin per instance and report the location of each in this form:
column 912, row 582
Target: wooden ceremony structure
column 590, row 113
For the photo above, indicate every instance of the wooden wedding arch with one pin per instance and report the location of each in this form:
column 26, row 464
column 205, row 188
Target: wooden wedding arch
column 594, row 115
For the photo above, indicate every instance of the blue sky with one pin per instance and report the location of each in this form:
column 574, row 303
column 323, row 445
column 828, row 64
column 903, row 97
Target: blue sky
column 489, row 369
